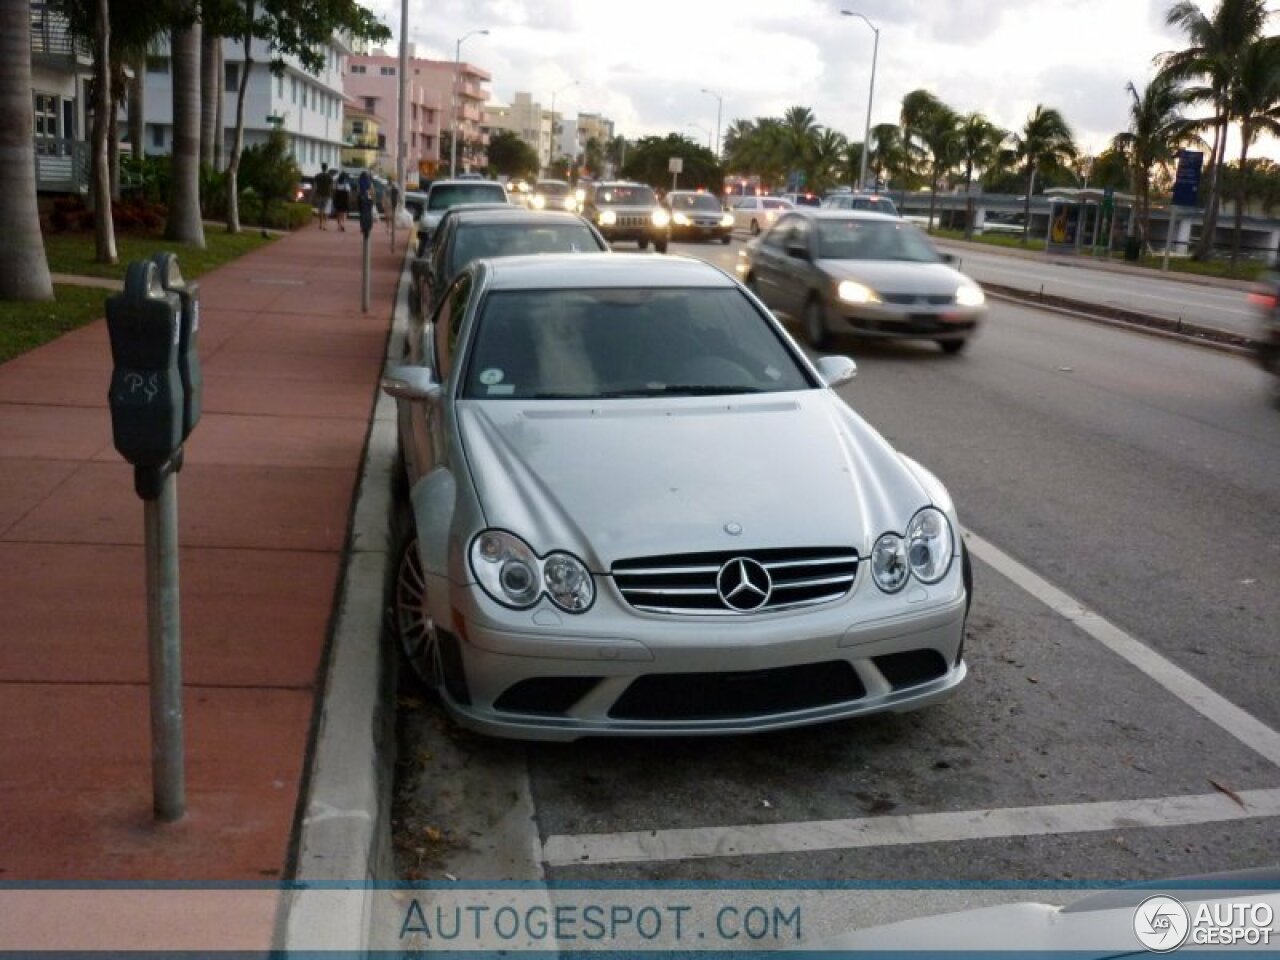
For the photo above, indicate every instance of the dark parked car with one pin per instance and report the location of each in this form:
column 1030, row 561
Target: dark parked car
column 697, row 215
column 469, row 233
column 864, row 273
column 628, row 211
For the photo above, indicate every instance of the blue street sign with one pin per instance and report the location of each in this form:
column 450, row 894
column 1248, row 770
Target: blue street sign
column 1186, row 183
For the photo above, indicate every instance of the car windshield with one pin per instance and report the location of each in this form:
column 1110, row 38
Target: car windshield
column 473, row 241
column 614, row 343
column 456, row 194
column 553, row 188
column 694, row 201
column 625, row 197
column 874, row 240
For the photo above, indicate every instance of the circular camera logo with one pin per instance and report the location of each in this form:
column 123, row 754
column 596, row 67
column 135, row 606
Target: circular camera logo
column 1161, row 924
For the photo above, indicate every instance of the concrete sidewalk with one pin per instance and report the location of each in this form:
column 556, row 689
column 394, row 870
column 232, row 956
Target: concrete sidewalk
column 291, row 369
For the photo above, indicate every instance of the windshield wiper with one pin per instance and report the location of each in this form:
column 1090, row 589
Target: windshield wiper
column 683, row 389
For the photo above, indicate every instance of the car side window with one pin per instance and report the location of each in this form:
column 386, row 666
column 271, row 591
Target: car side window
column 780, row 234
column 448, row 325
column 801, row 234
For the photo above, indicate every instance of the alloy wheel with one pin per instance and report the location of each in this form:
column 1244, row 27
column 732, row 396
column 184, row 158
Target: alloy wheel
column 416, row 629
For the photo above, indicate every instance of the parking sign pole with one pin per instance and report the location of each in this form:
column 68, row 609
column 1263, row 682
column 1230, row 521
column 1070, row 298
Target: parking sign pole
column 168, row 774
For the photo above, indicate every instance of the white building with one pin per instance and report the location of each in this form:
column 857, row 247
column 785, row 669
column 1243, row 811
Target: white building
column 307, row 107
column 60, row 74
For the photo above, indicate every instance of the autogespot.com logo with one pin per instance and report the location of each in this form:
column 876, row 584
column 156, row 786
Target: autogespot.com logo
column 1161, row 924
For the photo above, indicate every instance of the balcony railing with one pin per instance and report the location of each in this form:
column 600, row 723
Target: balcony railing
column 51, row 35
column 62, row 165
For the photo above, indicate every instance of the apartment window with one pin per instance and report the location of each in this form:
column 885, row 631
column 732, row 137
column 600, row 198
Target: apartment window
column 387, row 71
column 293, row 89
column 357, row 127
column 232, row 71
column 382, row 143
column 357, row 68
column 157, row 64
column 371, row 104
column 280, row 87
column 157, row 135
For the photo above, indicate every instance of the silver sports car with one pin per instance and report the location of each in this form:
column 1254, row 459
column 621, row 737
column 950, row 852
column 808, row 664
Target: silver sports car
column 638, row 509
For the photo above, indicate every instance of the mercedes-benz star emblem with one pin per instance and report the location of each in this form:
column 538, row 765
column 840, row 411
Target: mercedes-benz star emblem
column 744, row 585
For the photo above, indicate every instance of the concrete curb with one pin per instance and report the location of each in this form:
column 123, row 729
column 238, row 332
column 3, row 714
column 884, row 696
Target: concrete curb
column 344, row 839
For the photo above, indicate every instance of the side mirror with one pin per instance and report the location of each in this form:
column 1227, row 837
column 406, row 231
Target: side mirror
column 411, row 383
column 836, row 371
column 798, row 250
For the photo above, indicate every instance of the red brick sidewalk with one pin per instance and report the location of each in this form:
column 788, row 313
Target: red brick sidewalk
column 291, row 368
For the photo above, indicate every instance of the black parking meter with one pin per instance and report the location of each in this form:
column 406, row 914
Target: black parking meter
column 366, row 212
column 172, row 281
column 146, row 395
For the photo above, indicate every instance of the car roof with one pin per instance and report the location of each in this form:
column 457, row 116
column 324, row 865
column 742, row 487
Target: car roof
column 512, row 213
column 558, row 271
column 621, row 183
column 830, row 213
column 470, row 182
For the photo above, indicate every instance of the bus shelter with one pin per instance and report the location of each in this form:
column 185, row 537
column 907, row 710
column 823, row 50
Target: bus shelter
column 1088, row 219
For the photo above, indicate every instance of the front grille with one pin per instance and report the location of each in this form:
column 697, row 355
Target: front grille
column 687, row 583
column 933, row 299
column 632, row 221
column 748, row 693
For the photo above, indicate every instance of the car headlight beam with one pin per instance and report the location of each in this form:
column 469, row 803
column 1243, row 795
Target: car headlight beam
column 680, row 220
column 607, row 218
column 970, row 295
column 726, row 220
column 660, row 218
column 510, row 572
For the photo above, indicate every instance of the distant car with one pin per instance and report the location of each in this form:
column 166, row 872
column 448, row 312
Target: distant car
column 1266, row 299
column 489, row 230
column 444, row 194
column 553, row 195
column 803, row 199
column 596, row 539
column 470, row 176
column 697, row 215
column 877, row 202
column 861, row 272
column 754, row 214
column 628, row 211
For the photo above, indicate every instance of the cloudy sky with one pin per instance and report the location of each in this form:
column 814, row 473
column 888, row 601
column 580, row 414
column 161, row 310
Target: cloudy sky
column 643, row 63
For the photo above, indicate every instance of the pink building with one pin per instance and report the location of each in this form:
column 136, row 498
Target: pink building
column 373, row 82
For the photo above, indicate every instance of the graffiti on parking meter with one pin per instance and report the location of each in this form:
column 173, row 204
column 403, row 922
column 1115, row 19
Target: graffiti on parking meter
column 148, row 385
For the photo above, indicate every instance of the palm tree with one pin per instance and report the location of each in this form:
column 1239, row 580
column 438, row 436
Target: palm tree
column 1212, row 58
column 184, row 224
column 24, row 270
column 939, row 134
column 1156, row 131
column 888, row 158
column 979, row 147
column 1255, row 103
column 830, row 151
column 1044, row 141
column 800, row 135
column 918, row 107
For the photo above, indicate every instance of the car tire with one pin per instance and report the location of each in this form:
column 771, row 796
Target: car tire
column 815, row 324
column 416, row 631
column 755, row 227
column 643, row 243
column 952, row 347
column 660, row 246
column 725, row 239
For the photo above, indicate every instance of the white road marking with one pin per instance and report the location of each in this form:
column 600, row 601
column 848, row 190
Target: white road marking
column 1249, row 730
column 756, row 840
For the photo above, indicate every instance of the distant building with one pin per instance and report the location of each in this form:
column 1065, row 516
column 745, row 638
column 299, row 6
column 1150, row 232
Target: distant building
column 60, row 73
column 364, row 143
column 307, row 107
column 526, row 118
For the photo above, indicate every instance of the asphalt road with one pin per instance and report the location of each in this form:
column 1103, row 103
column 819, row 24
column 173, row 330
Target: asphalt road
column 1139, row 477
column 1224, row 308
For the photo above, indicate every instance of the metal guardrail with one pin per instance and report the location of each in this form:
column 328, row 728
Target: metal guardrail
column 51, row 34
column 62, row 165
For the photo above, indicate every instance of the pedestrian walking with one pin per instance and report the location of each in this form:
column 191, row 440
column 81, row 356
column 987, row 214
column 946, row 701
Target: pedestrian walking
column 342, row 200
column 392, row 199
column 322, row 193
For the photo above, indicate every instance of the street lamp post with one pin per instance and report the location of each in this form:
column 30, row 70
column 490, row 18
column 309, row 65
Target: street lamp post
column 457, row 63
column 551, row 153
column 866, row 135
column 719, row 110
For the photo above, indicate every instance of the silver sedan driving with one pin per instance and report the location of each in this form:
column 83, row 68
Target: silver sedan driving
column 636, row 508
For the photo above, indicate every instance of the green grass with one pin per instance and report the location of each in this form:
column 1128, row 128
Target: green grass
column 74, row 252
column 28, row 325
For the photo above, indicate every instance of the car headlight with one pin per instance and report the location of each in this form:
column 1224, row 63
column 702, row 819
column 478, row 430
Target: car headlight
column 570, row 204
column 970, row 295
column 580, row 195
column 726, row 220
column 568, row 582
column 889, row 563
column 850, row 291
column 929, row 545
column 511, row 573
column 538, row 201
column 608, row 218
column 660, row 218
column 680, row 220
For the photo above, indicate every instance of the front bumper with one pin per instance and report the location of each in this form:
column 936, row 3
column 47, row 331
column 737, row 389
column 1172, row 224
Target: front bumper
column 700, row 231
column 918, row 321
column 509, row 676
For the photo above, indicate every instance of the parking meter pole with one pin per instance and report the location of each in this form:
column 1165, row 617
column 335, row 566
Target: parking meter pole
column 168, row 773
column 364, row 282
